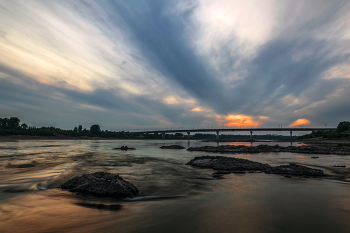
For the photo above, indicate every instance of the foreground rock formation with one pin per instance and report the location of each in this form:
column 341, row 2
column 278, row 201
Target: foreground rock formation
column 172, row 147
column 344, row 150
column 101, row 184
column 226, row 165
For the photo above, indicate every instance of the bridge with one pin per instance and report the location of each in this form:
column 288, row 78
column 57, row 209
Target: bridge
column 218, row 130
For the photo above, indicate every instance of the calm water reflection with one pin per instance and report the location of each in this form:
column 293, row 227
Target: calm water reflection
column 173, row 197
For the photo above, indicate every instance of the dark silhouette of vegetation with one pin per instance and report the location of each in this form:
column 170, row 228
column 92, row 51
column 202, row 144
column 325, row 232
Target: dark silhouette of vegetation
column 95, row 130
column 343, row 126
column 342, row 132
column 12, row 126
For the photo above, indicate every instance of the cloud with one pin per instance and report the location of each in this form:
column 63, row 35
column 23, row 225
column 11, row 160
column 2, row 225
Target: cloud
column 300, row 122
column 240, row 121
column 177, row 63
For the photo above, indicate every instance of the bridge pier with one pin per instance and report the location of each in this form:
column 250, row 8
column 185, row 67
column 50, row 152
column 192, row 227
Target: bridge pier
column 217, row 135
column 163, row 136
column 251, row 135
column 291, row 135
column 141, row 135
column 188, row 135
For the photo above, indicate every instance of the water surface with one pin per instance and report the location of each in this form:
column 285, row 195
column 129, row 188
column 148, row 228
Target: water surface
column 174, row 197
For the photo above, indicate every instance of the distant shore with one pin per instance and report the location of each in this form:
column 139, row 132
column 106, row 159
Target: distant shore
column 61, row 137
column 25, row 137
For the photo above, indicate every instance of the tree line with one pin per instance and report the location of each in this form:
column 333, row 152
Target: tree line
column 342, row 132
column 12, row 126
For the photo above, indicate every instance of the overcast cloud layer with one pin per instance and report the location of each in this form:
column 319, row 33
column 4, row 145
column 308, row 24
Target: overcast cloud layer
column 155, row 64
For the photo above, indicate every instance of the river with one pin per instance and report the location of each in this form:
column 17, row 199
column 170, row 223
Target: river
column 173, row 197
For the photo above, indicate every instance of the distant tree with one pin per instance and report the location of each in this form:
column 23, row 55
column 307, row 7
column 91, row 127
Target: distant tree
column 75, row 130
column 80, row 129
column 24, row 126
column 95, row 129
column 179, row 135
column 343, row 126
column 13, row 123
column 3, row 123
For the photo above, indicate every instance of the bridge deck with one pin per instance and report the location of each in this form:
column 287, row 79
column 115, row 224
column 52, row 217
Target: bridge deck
column 229, row 129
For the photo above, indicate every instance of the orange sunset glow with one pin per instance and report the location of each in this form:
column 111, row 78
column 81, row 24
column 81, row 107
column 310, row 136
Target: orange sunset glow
column 300, row 122
column 241, row 121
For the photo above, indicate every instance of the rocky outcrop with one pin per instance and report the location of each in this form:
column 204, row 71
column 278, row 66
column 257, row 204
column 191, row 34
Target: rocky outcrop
column 295, row 170
column 172, row 147
column 344, row 150
column 101, row 184
column 225, row 165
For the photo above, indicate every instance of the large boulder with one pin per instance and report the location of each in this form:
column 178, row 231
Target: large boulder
column 101, row 184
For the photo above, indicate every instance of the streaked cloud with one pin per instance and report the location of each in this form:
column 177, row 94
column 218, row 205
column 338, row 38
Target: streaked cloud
column 175, row 63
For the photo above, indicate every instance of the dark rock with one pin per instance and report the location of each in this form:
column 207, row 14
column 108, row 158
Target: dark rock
column 227, row 163
column 216, row 175
column 222, row 172
column 236, row 165
column 101, row 206
column 101, row 184
column 124, row 148
column 315, row 157
column 297, row 170
column 238, row 172
column 287, row 176
column 23, row 165
column 172, row 147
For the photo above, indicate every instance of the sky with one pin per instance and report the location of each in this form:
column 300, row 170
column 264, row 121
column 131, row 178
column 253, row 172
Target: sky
column 134, row 65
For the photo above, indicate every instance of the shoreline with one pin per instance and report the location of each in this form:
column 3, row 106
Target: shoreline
column 29, row 138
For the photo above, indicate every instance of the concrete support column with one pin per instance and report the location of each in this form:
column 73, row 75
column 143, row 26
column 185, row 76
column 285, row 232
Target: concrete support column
column 251, row 135
column 163, row 136
column 291, row 135
column 188, row 135
column 141, row 135
column 217, row 135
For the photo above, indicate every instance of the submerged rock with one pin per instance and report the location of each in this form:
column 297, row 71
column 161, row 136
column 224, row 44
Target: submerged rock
column 124, row 148
column 229, row 164
column 172, row 147
column 294, row 169
column 23, row 165
column 101, row 184
column 235, row 165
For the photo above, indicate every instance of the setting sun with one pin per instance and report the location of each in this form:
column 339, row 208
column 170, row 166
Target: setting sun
column 240, row 121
